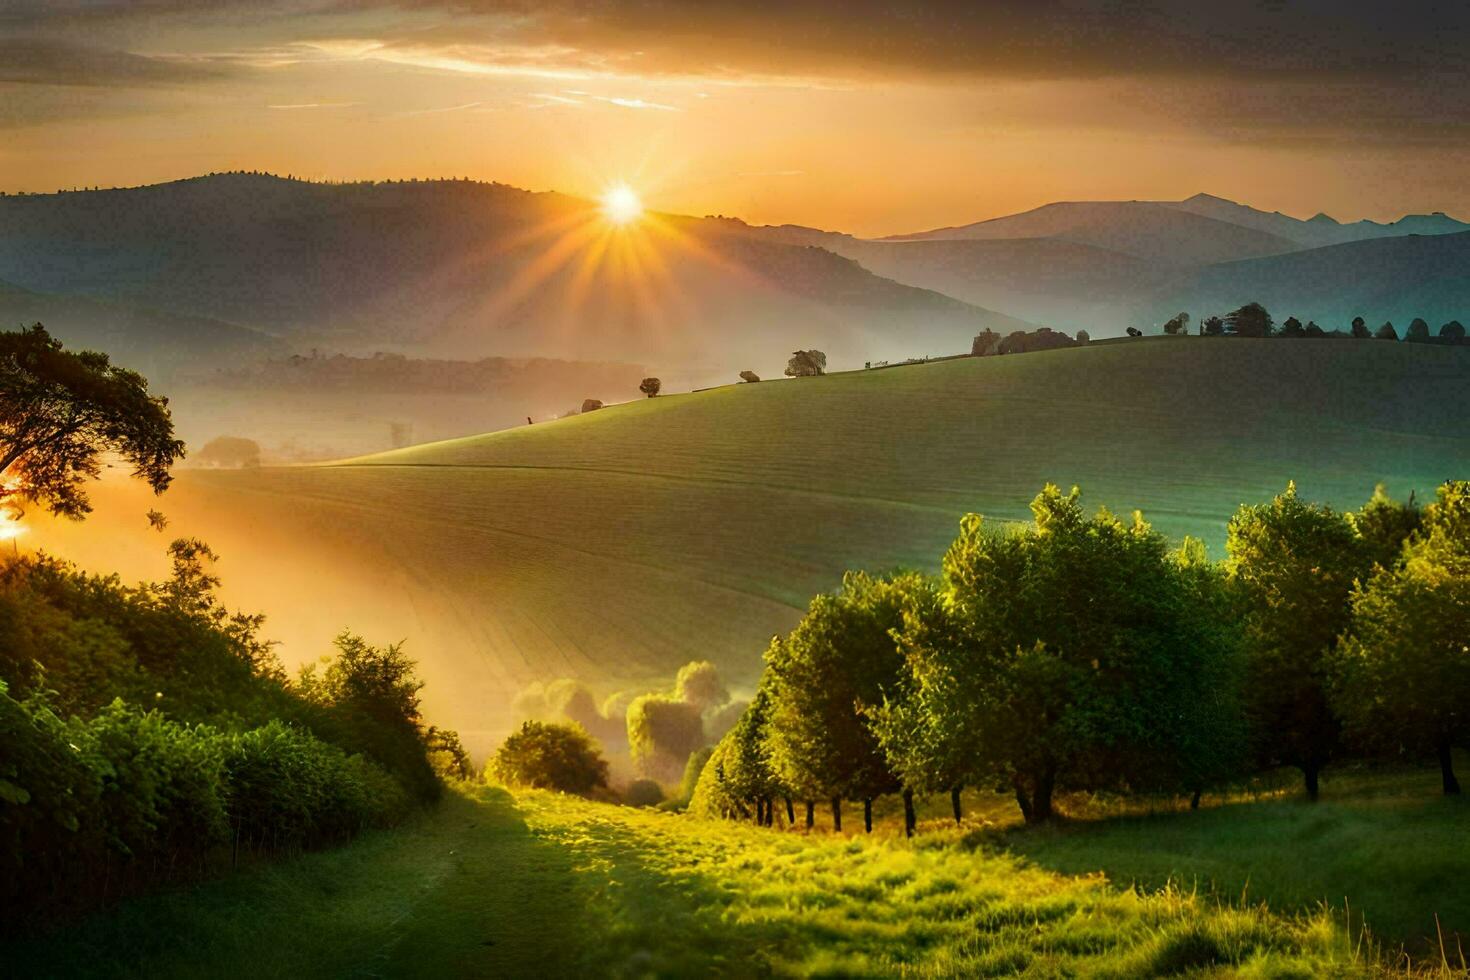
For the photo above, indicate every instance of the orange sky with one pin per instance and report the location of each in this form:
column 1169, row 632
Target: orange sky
column 881, row 119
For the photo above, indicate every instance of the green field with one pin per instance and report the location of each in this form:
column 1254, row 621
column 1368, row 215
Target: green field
column 614, row 546
column 493, row 885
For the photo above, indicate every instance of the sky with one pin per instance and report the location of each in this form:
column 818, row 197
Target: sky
column 864, row 116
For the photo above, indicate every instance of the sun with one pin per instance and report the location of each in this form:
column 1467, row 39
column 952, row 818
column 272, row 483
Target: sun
column 621, row 205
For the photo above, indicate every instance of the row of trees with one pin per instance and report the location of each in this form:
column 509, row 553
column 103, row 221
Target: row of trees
column 1254, row 320
column 1081, row 653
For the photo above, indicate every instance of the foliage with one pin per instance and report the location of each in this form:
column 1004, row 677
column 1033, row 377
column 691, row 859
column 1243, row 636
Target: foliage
column 1293, row 564
column 1360, row 329
column 1402, row 675
column 1383, row 525
column 650, row 386
column 1212, row 326
column 1454, row 330
column 662, row 732
column 699, row 683
column 749, row 377
column 643, row 792
column 62, row 412
column 1386, row 332
column 806, row 364
column 234, row 452
column 1292, row 327
column 1250, row 320
column 447, row 755
column 1177, row 325
column 550, row 756
column 1418, row 331
column 1083, row 336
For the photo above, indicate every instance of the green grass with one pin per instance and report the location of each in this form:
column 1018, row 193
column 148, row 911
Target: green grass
column 546, row 885
column 615, row 546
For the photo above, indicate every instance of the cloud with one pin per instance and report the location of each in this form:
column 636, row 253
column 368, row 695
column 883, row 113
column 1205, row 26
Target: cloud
column 636, row 103
column 48, row 61
column 315, row 105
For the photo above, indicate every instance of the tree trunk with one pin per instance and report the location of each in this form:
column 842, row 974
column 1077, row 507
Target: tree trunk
column 1041, row 799
column 954, row 803
column 1447, row 769
column 1310, row 772
column 1194, row 800
column 770, row 812
column 760, row 813
column 790, row 813
column 837, row 814
column 868, row 814
column 811, row 814
column 910, row 819
column 1023, row 799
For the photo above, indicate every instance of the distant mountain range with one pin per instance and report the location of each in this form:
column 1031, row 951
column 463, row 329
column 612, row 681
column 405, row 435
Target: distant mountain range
column 200, row 271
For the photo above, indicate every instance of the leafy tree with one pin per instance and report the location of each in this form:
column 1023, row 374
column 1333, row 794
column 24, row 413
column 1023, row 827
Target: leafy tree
column 1386, row 332
column 1292, row 328
column 1212, row 326
column 1418, row 331
column 1312, row 330
column 62, row 411
column 806, row 364
column 1081, row 656
column 1251, row 320
column 749, row 377
column 699, row 683
column 229, row 452
column 1178, row 325
column 1384, row 525
column 745, row 768
column 1083, row 337
column 550, row 756
column 662, row 732
column 1294, row 565
column 1454, row 330
column 840, row 657
column 1360, row 329
column 1402, row 674
column 447, row 755
column 650, row 386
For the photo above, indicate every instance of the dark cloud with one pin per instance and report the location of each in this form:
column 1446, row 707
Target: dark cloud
column 49, row 61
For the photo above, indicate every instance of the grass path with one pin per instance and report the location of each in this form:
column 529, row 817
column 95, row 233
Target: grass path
column 548, row 886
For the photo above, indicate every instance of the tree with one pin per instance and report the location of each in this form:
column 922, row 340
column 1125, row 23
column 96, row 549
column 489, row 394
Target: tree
column 746, row 767
column 1384, row 525
column 650, row 386
column 699, row 683
column 749, row 377
column 1313, row 330
column 806, row 364
column 62, row 411
column 1251, row 320
column 1212, row 326
column 591, row 405
column 1452, row 331
column 1360, row 329
column 231, row 452
column 1386, row 332
column 447, row 755
column 662, row 732
column 841, row 657
column 550, row 756
column 1292, row 328
column 1401, row 678
column 1293, row 565
column 1082, row 655
column 1418, row 332
column 1178, row 325
column 1083, row 337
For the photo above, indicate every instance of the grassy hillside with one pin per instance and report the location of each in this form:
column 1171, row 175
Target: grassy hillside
column 615, row 546
column 539, row 884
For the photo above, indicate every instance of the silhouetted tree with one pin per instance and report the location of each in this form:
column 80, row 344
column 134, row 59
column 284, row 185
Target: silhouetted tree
column 1134, row 332
column 1386, row 332
column 806, row 364
column 1313, row 330
column 1292, row 327
column 62, row 411
column 1454, row 330
column 591, row 405
column 1360, row 329
column 1083, row 337
column 1212, row 326
column 650, row 386
column 750, row 377
column 1251, row 320
column 1418, row 331
column 1178, row 325
column 231, row 452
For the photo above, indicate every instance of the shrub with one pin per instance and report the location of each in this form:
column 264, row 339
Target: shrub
column 550, row 756
column 749, row 377
column 643, row 792
column 662, row 732
column 650, row 386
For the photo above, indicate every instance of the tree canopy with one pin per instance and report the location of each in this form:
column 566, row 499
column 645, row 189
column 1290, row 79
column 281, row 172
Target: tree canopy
column 1251, row 320
column 550, row 756
column 62, row 411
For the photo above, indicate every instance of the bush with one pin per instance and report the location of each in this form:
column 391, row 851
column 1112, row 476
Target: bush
column 643, row 792
column 662, row 732
column 550, row 756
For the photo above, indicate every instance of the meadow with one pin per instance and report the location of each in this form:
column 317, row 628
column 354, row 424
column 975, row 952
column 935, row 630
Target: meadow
column 542, row 884
column 614, row 546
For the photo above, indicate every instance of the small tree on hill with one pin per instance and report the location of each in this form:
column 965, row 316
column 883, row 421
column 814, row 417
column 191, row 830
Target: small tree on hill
column 749, row 377
column 230, row 452
column 1212, row 326
column 1178, row 325
column 550, row 756
column 1360, row 329
column 1386, row 332
column 806, row 364
column 1292, row 327
column 1251, row 320
column 62, row 411
column 591, row 405
column 1313, row 330
column 1402, row 674
column 650, row 386
column 1083, row 337
column 1418, row 331
column 699, row 683
column 1454, row 331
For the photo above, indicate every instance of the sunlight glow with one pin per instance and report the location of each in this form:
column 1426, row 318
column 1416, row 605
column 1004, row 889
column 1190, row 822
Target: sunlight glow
column 621, row 205
column 10, row 525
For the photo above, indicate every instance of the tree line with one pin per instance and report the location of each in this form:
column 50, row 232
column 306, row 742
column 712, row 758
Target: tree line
column 1080, row 653
column 1254, row 320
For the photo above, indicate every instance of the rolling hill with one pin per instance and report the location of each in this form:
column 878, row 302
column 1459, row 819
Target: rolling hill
column 1319, row 230
column 614, row 546
column 465, row 269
